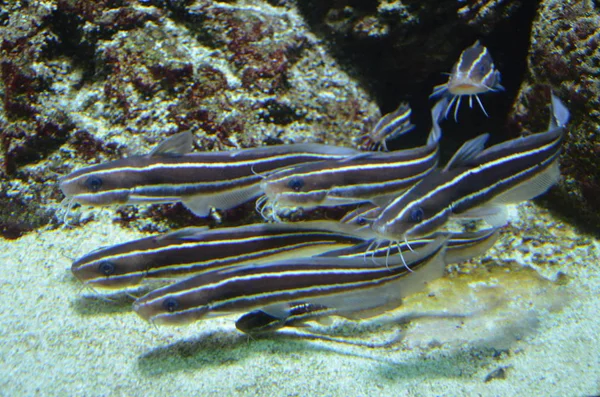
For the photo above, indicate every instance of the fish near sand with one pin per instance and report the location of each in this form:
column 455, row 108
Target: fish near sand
column 166, row 258
column 353, row 287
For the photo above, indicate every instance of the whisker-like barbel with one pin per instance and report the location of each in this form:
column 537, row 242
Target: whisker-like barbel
column 354, row 288
column 473, row 74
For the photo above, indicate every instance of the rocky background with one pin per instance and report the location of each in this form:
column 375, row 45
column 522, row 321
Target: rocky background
column 85, row 82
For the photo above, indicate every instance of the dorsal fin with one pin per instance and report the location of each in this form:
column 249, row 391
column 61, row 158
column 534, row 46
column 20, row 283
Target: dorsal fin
column 177, row 145
column 436, row 114
column 467, row 152
column 560, row 113
column 188, row 233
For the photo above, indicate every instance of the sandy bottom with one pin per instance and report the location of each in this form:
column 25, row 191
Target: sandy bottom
column 522, row 321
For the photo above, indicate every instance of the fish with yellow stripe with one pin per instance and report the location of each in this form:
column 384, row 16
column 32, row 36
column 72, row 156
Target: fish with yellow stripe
column 201, row 181
column 472, row 75
column 163, row 259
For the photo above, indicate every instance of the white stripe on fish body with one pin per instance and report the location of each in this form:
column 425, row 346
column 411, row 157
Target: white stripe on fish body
column 420, row 211
column 473, row 74
column 389, row 127
column 317, row 281
column 202, row 181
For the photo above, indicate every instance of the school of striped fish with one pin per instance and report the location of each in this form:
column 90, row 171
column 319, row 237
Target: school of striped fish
column 392, row 242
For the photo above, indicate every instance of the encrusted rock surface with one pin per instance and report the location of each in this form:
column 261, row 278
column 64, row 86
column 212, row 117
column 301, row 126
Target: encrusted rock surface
column 565, row 57
column 85, row 82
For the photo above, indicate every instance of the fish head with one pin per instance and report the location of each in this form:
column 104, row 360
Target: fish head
column 474, row 73
column 111, row 268
column 410, row 216
column 172, row 305
column 102, row 184
column 295, row 187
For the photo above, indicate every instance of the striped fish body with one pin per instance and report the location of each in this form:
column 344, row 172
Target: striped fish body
column 365, row 177
column 192, row 251
column 389, row 127
column 477, row 184
column 473, row 74
column 338, row 182
column 201, row 181
column 460, row 247
column 350, row 286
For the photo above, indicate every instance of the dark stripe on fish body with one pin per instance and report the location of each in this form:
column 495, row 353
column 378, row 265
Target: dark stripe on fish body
column 363, row 177
column 193, row 251
column 470, row 184
column 250, row 287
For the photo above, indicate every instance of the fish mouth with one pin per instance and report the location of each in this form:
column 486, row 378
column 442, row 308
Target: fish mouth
column 144, row 311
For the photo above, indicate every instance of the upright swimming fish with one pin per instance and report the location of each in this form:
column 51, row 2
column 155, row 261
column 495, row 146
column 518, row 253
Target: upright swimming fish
column 389, row 127
column 201, row 181
column 369, row 176
column 355, row 288
column 477, row 183
column 191, row 251
column 473, row 74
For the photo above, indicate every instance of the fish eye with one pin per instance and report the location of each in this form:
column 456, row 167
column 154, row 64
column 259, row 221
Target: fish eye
column 360, row 221
column 170, row 304
column 416, row 215
column 107, row 268
column 93, row 183
column 296, row 184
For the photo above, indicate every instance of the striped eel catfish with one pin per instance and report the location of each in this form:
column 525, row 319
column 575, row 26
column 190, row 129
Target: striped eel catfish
column 164, row 258
column 477, row 183
column 365, row 177
column 460, row 247
column 356, row 288
column 389, row 127
column 202, row 181
column 472, row 74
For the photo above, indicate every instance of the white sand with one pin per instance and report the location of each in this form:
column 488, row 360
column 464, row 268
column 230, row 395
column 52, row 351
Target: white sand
column 56, row 342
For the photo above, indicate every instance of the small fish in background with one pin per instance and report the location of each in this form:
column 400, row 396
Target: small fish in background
column 473, row 74
column 389, row 127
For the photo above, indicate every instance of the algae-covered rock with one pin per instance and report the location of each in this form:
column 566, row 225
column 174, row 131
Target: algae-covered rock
column 85, row 82
column 565, row 57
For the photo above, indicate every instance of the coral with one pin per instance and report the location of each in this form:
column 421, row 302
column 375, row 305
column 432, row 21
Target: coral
column 564, row 56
